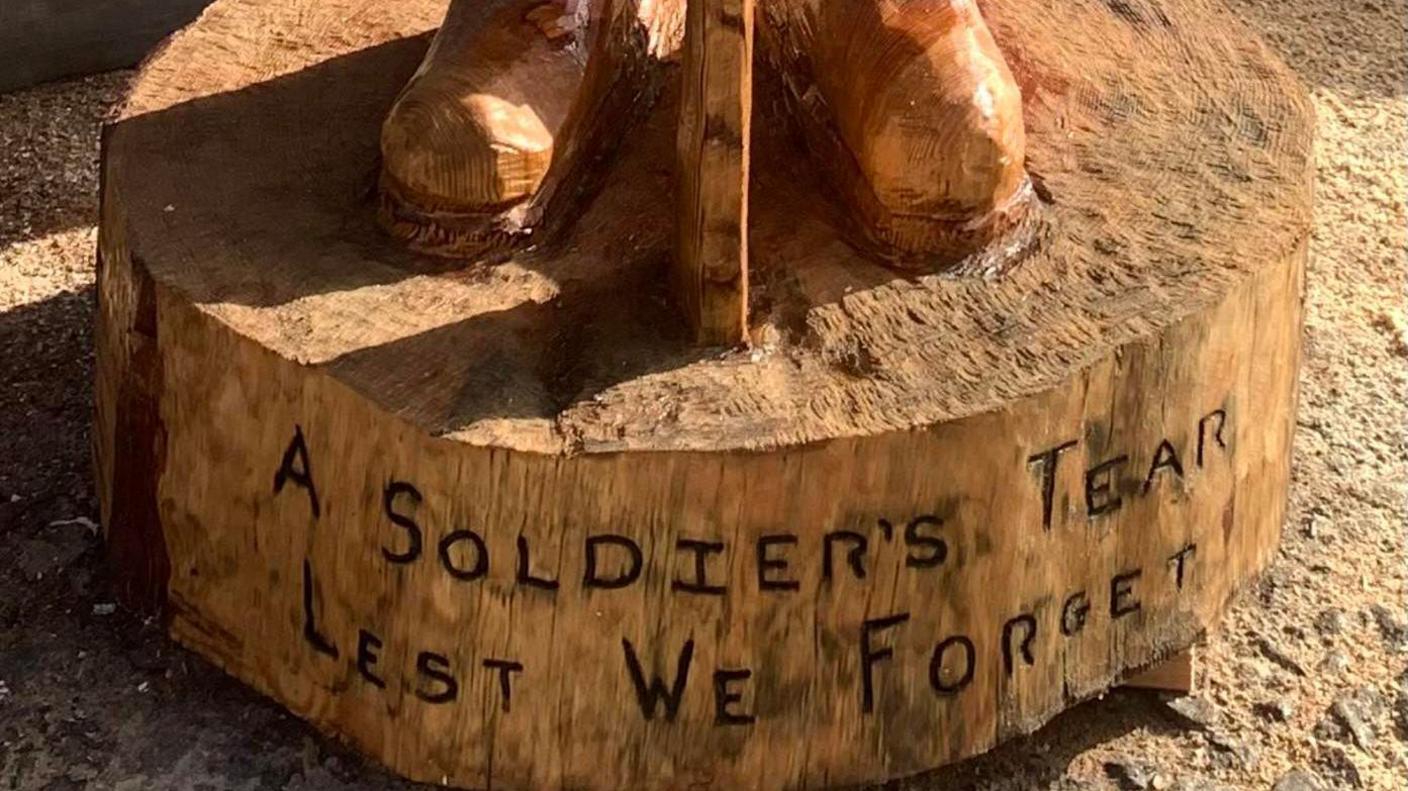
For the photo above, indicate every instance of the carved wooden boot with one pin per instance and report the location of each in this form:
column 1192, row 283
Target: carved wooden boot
column 503, row 108
column 910, row 107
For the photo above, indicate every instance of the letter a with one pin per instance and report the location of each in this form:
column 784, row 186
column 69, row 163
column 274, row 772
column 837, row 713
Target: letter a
column 296, row 468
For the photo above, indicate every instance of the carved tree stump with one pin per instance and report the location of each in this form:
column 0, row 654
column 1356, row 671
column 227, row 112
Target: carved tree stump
column 503, row 524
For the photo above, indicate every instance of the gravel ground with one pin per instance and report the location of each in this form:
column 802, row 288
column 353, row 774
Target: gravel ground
column 1305, row 684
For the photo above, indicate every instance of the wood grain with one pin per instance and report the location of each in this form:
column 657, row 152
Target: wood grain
column 475, row 130
column 715, row 131
column 262, row 347
column 499, row 135
column 912, row 115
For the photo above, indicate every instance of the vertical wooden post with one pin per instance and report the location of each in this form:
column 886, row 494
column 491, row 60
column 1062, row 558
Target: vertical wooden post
column 716, row 105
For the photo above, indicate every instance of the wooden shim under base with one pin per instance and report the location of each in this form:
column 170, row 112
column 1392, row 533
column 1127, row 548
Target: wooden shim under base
column 405, row 498
column 1178, row 673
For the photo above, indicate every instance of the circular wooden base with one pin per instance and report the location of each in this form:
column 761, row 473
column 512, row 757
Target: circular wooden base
column 499, row 524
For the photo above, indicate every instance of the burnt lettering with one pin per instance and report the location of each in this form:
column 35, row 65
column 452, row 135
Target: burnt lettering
column 506, row 669
column 1027, row 623
column 368, row 645
column 1100, row 485
column 481, row 555
column 310, row 618
column 297, row 468
column 1074, row 614
column 925, row 551
column 1165, row 458
column 1179, row 562
column 869, row 655
column 388, row 504
column 1218, row 416
column 725, row 697
column 855, row 556
column 652, row 693
column 593, row 578
column 1047, row 461
column 767, row 564
column 1122, row 599
column 435, row 668
column 525, row 574
column 702, row 551
column 939, row 668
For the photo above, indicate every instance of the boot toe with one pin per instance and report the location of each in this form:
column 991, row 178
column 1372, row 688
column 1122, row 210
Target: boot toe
column 949, row 146
column 473, row 152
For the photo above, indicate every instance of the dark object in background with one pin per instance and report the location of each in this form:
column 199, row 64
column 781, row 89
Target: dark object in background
column 42, row 40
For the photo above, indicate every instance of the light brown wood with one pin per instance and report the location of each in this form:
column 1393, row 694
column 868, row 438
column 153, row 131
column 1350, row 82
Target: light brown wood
column 715, row 131
column 497, row 133
column 912, row 113
column 1096, row 438
column 1178, row 673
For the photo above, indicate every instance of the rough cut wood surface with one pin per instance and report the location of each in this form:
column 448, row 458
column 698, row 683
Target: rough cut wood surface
column 463, row 515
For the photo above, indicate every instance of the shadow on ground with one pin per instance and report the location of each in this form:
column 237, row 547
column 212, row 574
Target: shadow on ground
column 48, row 155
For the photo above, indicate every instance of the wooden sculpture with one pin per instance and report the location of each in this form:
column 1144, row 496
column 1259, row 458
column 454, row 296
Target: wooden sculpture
column 908, row 107
column 749, row 393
